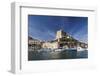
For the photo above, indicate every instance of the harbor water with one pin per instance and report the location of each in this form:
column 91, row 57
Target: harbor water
column 51, row 55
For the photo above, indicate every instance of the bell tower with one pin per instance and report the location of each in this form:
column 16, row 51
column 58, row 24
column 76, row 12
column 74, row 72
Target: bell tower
column 60, row 34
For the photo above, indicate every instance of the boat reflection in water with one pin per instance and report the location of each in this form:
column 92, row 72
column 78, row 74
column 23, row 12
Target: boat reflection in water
column 48, row 54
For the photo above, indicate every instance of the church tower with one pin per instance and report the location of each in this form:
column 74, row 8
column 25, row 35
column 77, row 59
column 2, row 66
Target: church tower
column 60, row 34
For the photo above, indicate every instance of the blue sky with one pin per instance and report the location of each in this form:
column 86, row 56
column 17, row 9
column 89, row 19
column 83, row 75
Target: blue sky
column 45, row 27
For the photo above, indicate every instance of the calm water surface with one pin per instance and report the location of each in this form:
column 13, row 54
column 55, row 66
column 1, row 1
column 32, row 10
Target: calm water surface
column 48, row 55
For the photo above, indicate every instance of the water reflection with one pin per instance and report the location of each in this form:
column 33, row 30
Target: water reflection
column 49, row 55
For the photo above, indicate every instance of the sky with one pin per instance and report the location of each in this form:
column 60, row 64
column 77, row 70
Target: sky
column 44, row 27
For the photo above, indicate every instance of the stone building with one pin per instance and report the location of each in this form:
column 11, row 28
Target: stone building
column 34, row 44
column 50, row 44
column 62, row 40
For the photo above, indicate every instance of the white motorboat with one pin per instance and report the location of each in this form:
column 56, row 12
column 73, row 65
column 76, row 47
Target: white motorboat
column 80, row 49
